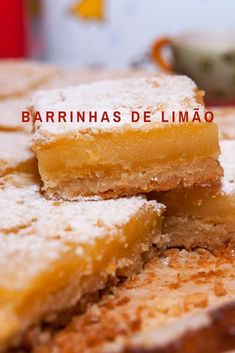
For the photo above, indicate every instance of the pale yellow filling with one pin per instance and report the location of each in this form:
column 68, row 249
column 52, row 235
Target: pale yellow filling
column 213, row 205
column 127, row 149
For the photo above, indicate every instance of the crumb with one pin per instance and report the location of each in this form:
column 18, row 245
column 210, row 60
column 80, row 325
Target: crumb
column 196, row 300
column 219, row 289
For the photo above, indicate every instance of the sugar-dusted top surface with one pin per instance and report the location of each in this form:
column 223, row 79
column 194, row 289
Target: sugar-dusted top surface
column 14, row 149
column 161, row 93
column 25, row 210
column 22, row 257
column 227, row 160
column 28, row 221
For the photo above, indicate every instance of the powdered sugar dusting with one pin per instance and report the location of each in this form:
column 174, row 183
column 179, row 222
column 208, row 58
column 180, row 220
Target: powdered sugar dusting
column 35, row 231
column 227, row 160
column 22, row 257
column 14, row 149
column 26, row 209
column 162, row 93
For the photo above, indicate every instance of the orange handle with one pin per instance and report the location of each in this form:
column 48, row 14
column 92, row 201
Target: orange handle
column 156, row 54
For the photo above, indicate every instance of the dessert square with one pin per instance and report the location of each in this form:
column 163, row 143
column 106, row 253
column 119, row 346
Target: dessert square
column 203, row 217
column 11, row 115
column 53, row 254
column 110, row 159
column 15, row 155
column 181, row 302
column 74, row 77
column 28, row 76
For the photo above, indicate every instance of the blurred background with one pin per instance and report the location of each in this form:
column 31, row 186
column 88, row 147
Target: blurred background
column 106, row 33
column 191, row 37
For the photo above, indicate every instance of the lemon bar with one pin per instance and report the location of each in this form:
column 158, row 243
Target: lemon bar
column 203, row 216
column 111, row 159
column 15, row 155
column 28, row 76
column 11, row 115
column 74, row 77
column 176, row 304
column 54, row 253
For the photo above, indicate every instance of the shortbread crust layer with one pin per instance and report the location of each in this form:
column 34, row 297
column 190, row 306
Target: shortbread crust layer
column 54, row 253
column 203, row 216
column 164, row 177
column 109, row 160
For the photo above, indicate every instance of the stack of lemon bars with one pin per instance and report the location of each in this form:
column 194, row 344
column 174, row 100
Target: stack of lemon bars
column 115, row 237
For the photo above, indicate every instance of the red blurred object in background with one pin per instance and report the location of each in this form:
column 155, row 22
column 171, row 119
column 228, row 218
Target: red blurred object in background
column 12, row 29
